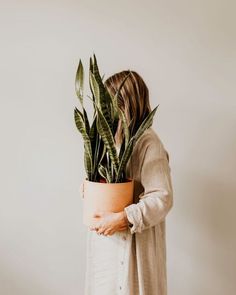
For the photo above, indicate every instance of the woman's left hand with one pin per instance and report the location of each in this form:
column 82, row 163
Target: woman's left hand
column 108, row 223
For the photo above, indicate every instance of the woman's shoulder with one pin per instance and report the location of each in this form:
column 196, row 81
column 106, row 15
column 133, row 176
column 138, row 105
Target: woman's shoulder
column 148, row 137
column 151, row 140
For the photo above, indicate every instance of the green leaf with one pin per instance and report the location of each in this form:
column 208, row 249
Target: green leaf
column 93, row 130
column 114, row 100
column 125, row 127
column 79, row 86
column 107, row 137
column 95, row 88
column 87, row 164
column 86, row 121
column 125, row 157
column 104, row 173
column 79, row 82
column 146, row 123
column 105, row 101
column 128, row 151
column 78, row 116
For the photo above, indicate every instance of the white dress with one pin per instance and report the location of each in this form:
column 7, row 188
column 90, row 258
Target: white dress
column 133, row 261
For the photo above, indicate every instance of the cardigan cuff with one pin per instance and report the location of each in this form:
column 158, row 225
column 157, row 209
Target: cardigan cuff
column 134, row 217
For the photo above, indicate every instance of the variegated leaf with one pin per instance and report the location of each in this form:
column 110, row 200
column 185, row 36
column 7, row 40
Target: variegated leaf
column 108, row 139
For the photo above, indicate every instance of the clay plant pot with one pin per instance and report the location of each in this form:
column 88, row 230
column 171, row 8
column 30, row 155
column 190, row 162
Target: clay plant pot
column 102, row 196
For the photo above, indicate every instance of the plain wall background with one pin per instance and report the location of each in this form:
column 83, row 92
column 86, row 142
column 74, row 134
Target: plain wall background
column 185, row 51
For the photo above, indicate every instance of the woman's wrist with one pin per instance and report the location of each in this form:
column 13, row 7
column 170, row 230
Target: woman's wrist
column 125, row 218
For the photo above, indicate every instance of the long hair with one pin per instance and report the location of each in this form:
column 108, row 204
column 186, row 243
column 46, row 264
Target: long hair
column 133, row 100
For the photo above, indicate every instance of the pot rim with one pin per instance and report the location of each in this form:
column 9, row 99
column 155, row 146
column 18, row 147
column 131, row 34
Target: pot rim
column 129, row 180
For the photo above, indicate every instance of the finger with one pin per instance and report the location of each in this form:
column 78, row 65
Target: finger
column 111, row 232
column 101, row 230
column 107, row 232
column 95, row 224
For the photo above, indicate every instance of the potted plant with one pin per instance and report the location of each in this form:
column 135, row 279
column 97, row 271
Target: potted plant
column 106, row 186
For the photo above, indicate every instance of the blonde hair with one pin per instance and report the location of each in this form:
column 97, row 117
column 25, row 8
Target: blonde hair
column 133, row 100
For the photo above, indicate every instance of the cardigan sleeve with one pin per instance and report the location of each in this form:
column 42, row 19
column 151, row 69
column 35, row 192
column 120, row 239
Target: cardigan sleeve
column 157, row 198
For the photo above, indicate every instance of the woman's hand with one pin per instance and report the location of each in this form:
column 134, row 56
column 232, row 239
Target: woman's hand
column 108, row 223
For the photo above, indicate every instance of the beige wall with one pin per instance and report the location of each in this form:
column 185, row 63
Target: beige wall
column 185, row 51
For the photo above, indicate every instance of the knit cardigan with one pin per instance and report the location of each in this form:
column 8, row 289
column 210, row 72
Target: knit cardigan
column 133, row 262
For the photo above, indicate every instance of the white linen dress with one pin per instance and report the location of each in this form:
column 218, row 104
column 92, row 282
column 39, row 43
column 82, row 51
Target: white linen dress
column 133, row 261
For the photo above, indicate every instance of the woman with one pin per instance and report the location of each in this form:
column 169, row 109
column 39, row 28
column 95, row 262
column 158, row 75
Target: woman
column 126, row 251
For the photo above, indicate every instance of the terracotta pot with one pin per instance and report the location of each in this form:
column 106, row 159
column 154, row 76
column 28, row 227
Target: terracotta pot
column 100, row 196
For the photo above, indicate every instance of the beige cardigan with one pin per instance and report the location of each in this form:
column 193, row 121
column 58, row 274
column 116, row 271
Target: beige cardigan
column 133, row 262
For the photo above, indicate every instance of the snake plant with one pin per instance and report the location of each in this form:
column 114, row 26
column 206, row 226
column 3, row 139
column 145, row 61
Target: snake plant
column 101, row 158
